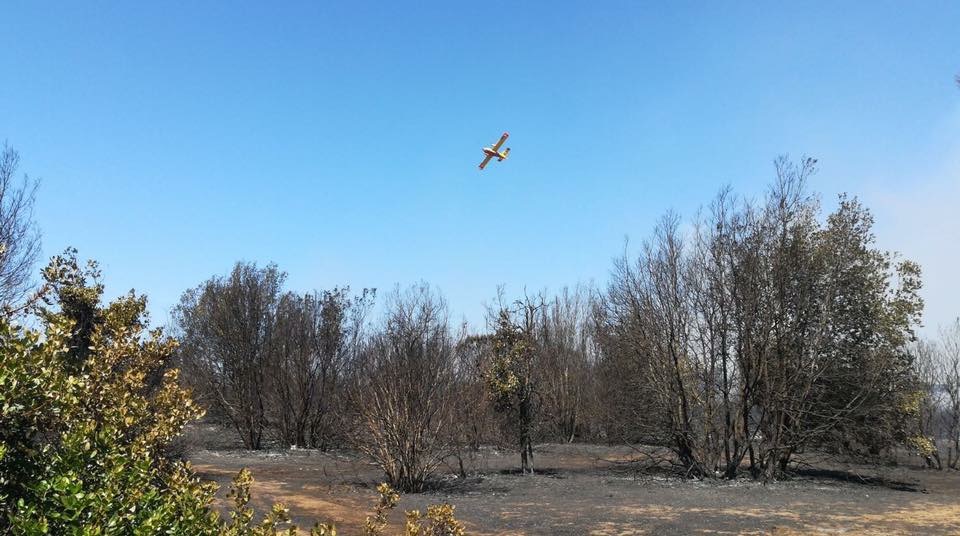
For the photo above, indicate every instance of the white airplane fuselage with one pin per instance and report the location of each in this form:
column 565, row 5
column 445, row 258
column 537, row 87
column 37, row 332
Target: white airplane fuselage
column 496, row 154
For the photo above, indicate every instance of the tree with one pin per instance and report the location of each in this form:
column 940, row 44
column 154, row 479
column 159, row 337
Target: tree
column 768, row 332
column 566, row 347
column 314, row 339
column 937, row 369
column 864, row 393
column 404, row 389
column 474, row 424
column 225, row 328
column 647, row 322
column 930, row 400
column 19, row 237
column 950, row 381
column 511, row 376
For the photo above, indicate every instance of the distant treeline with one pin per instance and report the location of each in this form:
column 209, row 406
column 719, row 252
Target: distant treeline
column 762, row 330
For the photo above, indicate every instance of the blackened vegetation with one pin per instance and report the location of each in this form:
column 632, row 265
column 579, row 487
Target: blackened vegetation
column 269, row 362
column 935, row 432
column 404, row 389
column 762, row 333
column 754, row 333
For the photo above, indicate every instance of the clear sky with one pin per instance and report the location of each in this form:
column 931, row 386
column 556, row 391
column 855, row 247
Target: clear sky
column 340, row 139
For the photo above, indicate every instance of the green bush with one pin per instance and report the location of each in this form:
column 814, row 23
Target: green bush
column 88, row 404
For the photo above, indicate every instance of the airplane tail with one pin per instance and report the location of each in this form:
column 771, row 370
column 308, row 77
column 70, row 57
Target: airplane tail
column 506, row 153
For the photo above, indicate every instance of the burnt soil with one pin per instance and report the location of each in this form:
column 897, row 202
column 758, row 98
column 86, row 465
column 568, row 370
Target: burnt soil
column 598, row 490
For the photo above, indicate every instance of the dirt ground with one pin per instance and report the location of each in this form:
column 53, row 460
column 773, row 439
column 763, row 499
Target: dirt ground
column 586, row 489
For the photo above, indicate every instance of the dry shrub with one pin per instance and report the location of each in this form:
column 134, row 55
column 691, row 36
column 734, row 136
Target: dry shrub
column 404, row 392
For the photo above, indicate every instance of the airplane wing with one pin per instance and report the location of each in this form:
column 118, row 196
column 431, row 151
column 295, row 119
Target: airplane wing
column 502, row 139
column 485, row 160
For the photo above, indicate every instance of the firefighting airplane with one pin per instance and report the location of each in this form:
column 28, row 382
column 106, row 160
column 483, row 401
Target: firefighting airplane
column 495, row 151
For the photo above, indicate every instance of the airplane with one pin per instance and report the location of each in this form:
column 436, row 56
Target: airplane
column 495, row 151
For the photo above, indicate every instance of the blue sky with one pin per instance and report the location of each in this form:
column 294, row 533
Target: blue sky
column 341, row 140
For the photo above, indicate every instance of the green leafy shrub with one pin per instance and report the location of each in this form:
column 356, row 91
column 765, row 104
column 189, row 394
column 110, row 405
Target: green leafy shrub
column 88, row 405
column 439, row 520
